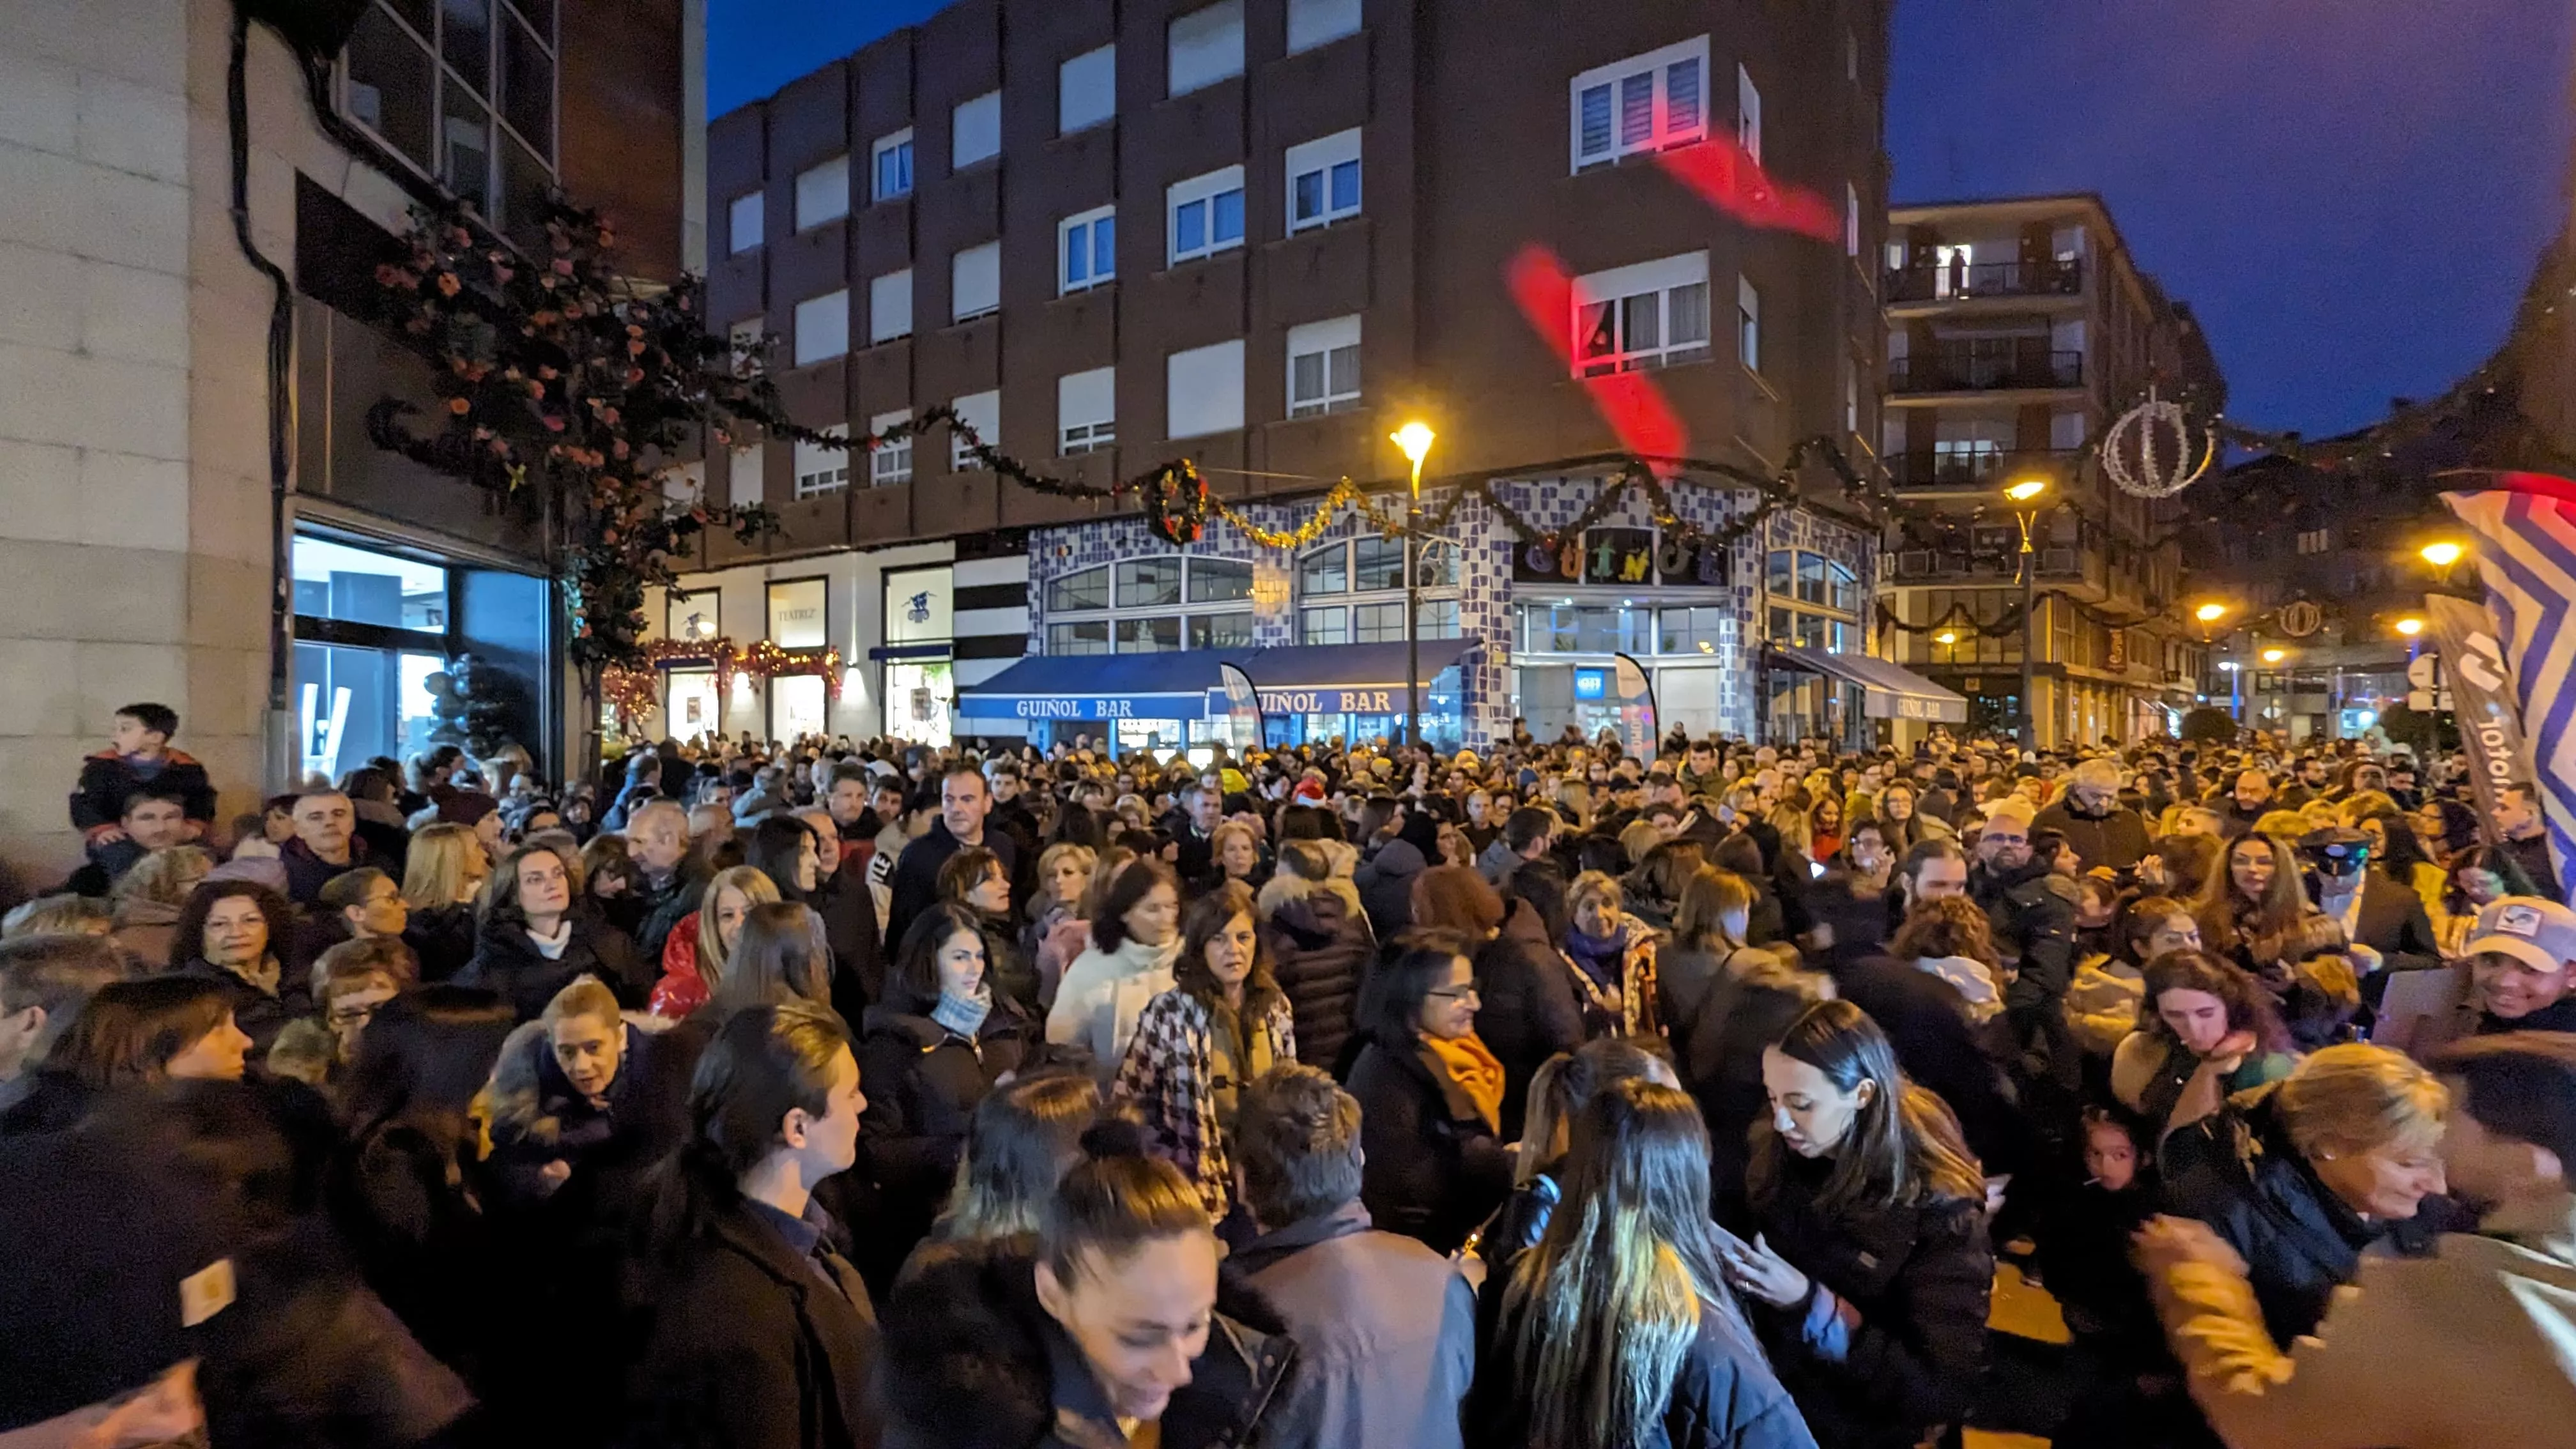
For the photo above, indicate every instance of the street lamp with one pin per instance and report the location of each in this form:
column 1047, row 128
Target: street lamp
column 2025, row 495
column 1946, row 636
column 2210, row 613
column 2441, row 553
column 1414, row 439
column 2275, row 656
column 2410, row 626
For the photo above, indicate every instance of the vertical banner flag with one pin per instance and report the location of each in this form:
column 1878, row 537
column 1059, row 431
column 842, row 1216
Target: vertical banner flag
column 1635, row 695
column 1242, row 707
column 2528, row 563
column 2490, row 719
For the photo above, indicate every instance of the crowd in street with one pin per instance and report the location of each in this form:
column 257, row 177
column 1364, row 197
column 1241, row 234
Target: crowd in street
column 802, row 1095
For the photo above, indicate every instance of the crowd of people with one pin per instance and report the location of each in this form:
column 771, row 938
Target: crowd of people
column 823, row 1094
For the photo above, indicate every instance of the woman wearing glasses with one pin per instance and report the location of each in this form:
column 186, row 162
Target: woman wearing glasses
column 1430, row 1095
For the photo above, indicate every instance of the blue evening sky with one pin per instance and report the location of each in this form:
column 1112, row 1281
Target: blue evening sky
column 2351, row 193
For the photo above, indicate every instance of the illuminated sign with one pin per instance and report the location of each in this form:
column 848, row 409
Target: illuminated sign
column 1592, row 684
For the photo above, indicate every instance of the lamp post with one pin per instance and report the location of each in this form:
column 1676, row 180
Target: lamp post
column 2025, row 496
column 1415, row 440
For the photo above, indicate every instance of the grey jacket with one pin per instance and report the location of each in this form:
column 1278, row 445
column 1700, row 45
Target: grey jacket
column 1385, row 1328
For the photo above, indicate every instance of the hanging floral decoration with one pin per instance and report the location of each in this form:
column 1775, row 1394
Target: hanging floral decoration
column 633, row 690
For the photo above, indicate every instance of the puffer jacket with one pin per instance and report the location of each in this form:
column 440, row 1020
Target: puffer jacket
column 923, row 1082
column 980, row 1365
column 1319, row 951
column 1386, row 887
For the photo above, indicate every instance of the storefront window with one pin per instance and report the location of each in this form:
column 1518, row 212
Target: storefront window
column 1585, row 629
column 1219, row 581
column 1324, row 626
column 1695, row 631
column 354, row 704
column 797, row 706
column 1221, row 631
column 1091, row 636
column 1147, row 582
column 1149, row 636
column 693, row 706
column 361, row 586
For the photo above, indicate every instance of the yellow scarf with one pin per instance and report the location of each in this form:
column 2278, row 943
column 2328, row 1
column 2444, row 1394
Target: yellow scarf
column 1470, row 1077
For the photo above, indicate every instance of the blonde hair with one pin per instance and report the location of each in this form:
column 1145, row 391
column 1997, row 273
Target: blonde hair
column 440, row 864
column 1593, row 885
column 2356, row 1097
column 584, row 995
column 1057, row 854
column 1228, row 829
column 1640, row 836
column 164, row 878
column 756, row 889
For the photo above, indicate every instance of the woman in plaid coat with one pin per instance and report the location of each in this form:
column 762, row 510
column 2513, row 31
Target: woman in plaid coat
column 1224, row 1023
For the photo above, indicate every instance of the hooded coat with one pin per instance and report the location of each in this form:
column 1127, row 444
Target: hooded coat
column 1386, row 885
column 1319, row 950
column 1529, row 1010
column 923, row 1082
column 980, row 1365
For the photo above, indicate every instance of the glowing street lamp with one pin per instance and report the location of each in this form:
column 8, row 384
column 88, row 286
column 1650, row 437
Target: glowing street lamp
column 2275, row 656
column 2410, row 626
column 2442, row 553
column 1946, row 636
column 1414, row 439
column 2210, row 613
column 2025, row 493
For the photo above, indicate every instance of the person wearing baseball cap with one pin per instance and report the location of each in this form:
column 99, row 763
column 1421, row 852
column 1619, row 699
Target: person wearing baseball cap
column 2522, row 955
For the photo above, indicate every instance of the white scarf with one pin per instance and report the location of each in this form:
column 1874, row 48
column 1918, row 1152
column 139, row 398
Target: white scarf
column 552, row 947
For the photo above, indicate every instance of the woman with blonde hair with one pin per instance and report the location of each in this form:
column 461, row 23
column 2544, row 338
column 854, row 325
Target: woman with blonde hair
column 443, row 876
column 1612, row 955
column 1065, row 870
column 693, row 959
column 1617, row 1328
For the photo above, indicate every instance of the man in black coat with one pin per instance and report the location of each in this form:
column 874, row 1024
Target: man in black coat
column 1012, row 817
column 964, row 803
column 2106, row 834
column 849, row 912
column 657, row 836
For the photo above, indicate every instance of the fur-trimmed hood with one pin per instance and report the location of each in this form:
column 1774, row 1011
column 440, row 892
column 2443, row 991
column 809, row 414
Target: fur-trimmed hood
column 966, row 1361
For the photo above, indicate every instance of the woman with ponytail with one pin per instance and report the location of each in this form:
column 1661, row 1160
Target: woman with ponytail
column 1870, row 1275
column 762, row 1335
column 1617, row 1329
column 1109, row 1326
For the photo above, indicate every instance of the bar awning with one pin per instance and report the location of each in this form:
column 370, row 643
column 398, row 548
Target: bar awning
column 1097, row 686
column 1341, row 678
column 1888, row 691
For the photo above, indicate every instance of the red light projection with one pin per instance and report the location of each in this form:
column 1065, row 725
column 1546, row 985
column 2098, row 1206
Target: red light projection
column 1726, row 176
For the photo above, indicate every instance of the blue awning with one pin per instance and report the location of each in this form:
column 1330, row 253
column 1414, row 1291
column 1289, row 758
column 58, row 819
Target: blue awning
column 1343, row 678
column 1097, row 686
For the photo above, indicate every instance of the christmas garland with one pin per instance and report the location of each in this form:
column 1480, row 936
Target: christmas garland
column 633, row 689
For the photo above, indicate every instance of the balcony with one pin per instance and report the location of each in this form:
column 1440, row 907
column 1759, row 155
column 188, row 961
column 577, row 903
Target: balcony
column 1964, row 282
column 1971, row 472
column 2014, row 365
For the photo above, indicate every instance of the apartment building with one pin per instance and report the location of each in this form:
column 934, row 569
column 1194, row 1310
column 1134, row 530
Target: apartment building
column 2017, row 330
column 1259, row 234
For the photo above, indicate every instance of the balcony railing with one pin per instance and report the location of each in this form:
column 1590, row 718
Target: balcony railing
column 1961, row 281
column 1983, row 368
column 1970, row 470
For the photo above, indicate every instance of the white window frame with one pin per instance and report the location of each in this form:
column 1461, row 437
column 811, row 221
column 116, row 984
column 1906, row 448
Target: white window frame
column 1087, row 222
column 823, row 193
column 1203, row 373
column 1662, row 132
column 1086, row 411
column 746, row 219
column 1205, row 191
column 1325, row 341
column 744, row 338
column 1748, row 323
column 1320, row 158
column 890, row 306
column 1624, row 290
column 1086, row 90
column 1748, row 113
column 877, row 189
column 1312, row 23
column 983, row 412
column 889, row 463
column 975, row 282
column 821, row 470
column 975, row 131
column 748, row 465
column 1214, row 37
column 823, row 327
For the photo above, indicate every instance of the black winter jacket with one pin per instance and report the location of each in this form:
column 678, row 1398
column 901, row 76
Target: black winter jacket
column 107, row 778
column 915, row 884
column 644, row 1118
column 259, row 1014
column 979, row 1365
column 647, row 916
column 1926, row 1022
column 506, row 961
column 1719, row 1055
column 923, row 1082
column 1528, row 1011
column 751, row 1348
column 1919, row 1278
column 1723, row 1396
column 2238, row 1173
column 442, row 937
column 411, row 1217
column 1386, row 887
column 1426, row 1174
column 1319, row 952
column 849, row 912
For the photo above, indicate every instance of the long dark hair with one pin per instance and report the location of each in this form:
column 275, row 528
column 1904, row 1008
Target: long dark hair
column 1201, row 925
column 776, row 842
column 1903, row 1147
column 916, row 965
column 1022, row 1141
column 2248, row 1001
column 129, row 1030
column 188, row 937
column 1390, row 1011
column 422, row 1060
column 2497, row 861
column 781, row 955
column 763, row 1062
column 1605, row 1306
column 1134, row 881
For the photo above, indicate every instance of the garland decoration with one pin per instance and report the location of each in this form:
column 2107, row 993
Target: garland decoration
column 633, row 690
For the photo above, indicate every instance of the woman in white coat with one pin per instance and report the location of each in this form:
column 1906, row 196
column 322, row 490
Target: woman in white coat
column 1135, row 938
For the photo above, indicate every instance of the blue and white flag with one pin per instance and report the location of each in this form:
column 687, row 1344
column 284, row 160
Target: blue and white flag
column 2527, row 559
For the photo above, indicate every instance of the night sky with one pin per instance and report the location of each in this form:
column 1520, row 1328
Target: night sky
column 2351, row 193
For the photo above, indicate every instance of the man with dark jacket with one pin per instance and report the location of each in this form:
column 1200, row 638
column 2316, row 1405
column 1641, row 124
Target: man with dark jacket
column 326, row 845
column 2526, row 836
column 849, row 912
column 155, row 818
column 1011, row 816
column 138, row 755
column 2106, row 834
column 657, row 836
column 1385, row 1328
column 964, row 802
column 2251, row 801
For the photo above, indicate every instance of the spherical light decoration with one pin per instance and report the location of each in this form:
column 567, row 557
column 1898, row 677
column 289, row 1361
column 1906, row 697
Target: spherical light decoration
column 2156, row 476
